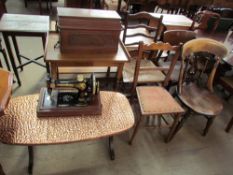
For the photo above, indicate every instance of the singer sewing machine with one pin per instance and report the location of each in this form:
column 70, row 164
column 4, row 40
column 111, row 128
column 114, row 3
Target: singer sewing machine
column 79, row 96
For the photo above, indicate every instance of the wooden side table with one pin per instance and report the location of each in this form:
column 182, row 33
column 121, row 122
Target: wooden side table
column 56, row 59
column 21, row 126
column 174, row 22
column 14, row 25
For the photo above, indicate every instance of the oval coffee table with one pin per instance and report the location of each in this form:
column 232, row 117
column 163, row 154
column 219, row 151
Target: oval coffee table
column 21, row 126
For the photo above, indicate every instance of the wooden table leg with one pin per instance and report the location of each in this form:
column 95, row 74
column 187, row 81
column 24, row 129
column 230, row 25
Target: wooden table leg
column 17, row 50
column 111, row 148
column 8, row 47
column 30, row 162
column 119, row 75
column 52, row 76
column 1, row 170
column 44, row 36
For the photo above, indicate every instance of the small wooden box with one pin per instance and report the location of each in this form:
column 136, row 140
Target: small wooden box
column 49, row 108
column 88, row 30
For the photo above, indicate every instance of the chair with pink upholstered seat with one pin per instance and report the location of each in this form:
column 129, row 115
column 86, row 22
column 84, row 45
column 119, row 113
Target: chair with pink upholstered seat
column 157, row 102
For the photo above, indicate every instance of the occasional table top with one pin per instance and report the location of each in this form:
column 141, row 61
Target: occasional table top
column 21, row 125
column 24, row 23
column 174, row 20
column 54, row 54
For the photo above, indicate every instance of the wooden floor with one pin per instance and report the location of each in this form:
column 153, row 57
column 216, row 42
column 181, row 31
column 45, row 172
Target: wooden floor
column 188, row 154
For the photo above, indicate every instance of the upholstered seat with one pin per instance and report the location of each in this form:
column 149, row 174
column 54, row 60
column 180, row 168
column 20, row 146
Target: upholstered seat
column 156, row 100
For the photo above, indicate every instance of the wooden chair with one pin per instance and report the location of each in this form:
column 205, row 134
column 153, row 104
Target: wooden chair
column 201, row 21
column 175, row 37
column 156, row 101
column 137, row 29
column 200, row 99
column 142, row 70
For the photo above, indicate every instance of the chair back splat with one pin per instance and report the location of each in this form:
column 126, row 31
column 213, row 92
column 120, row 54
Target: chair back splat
column 145, row 71
column 214, row 49
column 137, row 28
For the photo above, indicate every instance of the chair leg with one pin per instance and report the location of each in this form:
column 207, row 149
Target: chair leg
column 180, row 124
column 229, row 126
column 208, row 124
column 173, row 128
column 135, row 129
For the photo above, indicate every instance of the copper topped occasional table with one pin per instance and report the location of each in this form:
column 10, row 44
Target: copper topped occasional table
column 56, row 59
column 13, row 25
column 21, row 126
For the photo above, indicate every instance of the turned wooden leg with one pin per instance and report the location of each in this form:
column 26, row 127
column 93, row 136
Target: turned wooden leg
column 208, row 124
column 229, row 126
column 135, row 130
column 30, row 162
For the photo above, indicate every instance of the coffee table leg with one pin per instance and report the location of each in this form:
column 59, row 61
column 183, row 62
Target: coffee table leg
column 111, row 148
column 30, row 162
column 1, row 170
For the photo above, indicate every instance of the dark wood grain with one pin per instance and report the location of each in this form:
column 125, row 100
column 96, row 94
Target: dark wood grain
column 88, row 30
